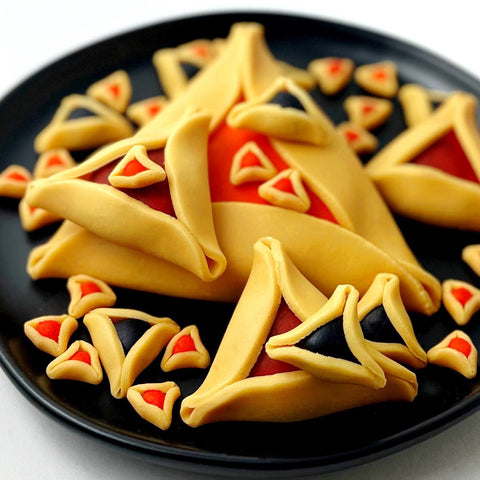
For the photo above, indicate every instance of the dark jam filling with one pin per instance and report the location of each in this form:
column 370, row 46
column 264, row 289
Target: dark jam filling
column 285, row 321
column 223, row 144
column 129, row 331
column 156, row 196
column 447, row 154
column 377, row 327
column 329, row 340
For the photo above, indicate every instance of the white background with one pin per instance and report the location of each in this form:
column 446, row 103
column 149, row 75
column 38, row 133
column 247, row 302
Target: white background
column 32, row 34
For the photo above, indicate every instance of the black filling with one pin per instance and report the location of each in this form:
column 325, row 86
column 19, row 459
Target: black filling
column 286, row 99
column 80, row 113
column 377, row 327
column 129, row 331
column 189, row 69
column 329, row 340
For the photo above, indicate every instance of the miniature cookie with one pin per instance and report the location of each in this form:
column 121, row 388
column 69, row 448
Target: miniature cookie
column 79, row 362
column 367, row 112
column 127, row 342
column 185, row 350
column 33, row 218
column 102, row 125
column 430, row 172
column 14, row 181
column 461, row 299
column 53, row 161
column 245, row 383
column 471, row 256
column 358, row 138
column 51, row 333
column 455, row 351
column 378, row 78
column 115, row 90
column 332, row 73
column 154, row 402
column 88, row 293
column 143, row 111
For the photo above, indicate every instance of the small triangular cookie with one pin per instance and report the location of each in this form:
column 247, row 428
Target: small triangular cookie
column 250, row 164
column 33, row 218
column 79, row 362
column 358, row 138
column 471, row 256
column 136, row 170
column 115, row 90
column 286, row 190
column 154, row 402
column 332, row 73
column 368, row 112
column 14, row 181
column 51, row 333
column 101, row 126
column 461, row 299
column 378, row 78
column 455, row 351
column 88, row 293
column 185, row 350
column 51, row 162
column 143, row 111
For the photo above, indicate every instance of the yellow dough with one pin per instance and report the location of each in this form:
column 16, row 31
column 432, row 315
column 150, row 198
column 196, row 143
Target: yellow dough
column 132, row 245
column 239, row 386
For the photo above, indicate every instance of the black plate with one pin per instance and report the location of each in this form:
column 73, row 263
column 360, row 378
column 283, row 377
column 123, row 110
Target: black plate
column 320, row 445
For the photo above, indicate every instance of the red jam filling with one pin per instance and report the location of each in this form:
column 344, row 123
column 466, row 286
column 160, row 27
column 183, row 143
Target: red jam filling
column 153, row 109
column 462, row 294
column 284, row 322
column 132, row 168
column 379, row 74
column 114, row 89
column 184, row 344
column 335, row 66
column 81, row 356
column 250, row 160
column 367, row 108
column 16, row 176
column 54, row 161
column 200, row 51
column 460, row 345
column 49, row 329
column 154, row 397
column 351, row 136
column 156, row 196
column 224, row 143
column 89, row 287
column 285, row 185
column 447, row 155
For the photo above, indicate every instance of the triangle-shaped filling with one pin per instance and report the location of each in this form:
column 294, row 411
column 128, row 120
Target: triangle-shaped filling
column 447, row 154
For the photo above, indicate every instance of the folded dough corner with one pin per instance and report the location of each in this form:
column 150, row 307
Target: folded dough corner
column 263, row 160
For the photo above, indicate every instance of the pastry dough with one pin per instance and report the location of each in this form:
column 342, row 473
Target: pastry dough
column 143, row 111
column 358, row 138
column 185, row 350
column 331, row 174
column 121, row 364
column 154, row 402
column 79, row 362
column 368, row 112
column 378, row 78
column 415, row 102
column 115, row 90
column 415, row 172
column 456, row 351
column 461, row 300
column 14, row 181
column 332, row 73
column 51, row 162
column 244, row 383
column 103, row 125
column 51, row 333
column 471, row 256
column 33, row 218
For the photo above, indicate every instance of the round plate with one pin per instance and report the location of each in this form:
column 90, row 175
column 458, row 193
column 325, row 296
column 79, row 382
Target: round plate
column 320, row 445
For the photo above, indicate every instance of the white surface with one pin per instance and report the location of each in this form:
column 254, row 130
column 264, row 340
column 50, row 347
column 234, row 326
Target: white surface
column 32, row 34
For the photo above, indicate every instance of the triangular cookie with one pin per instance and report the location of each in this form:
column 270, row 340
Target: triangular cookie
column 358, row 138
column 127, row 342
column 136, row 170
column 154, row 402
column 53, row 161
column 102, row 125
column 115, row 90
column 332, row 73
column 143, row 111
column 367, row 112
column 378, row 78
column 33, row 218
column 461, row 299
column 455, row 351
column 14, row 181
column 79, row 362
column 430, row 172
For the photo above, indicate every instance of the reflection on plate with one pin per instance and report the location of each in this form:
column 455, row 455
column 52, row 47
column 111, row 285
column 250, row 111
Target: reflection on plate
column 340, row 440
